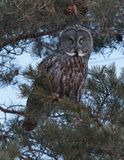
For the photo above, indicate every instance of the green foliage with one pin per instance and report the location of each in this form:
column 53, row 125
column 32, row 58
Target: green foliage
column 107, row 92
column 76, row 131
column 105, row 12
column 9, row 152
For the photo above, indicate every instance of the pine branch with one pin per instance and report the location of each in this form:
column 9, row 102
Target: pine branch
column 4, row 136
column 11, row 111
column 26, row 36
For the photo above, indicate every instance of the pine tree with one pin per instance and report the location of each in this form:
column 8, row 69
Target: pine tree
column 61, row 128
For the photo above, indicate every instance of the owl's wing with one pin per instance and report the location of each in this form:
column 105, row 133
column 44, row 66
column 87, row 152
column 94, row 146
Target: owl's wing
column 51, row 66
column 43, row 79
column 47, row 63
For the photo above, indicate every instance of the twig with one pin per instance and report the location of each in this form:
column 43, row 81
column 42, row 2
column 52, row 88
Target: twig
column 3, row 136
column 11, row 111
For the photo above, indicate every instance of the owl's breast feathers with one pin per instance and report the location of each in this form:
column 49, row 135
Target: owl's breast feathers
column 67, row 74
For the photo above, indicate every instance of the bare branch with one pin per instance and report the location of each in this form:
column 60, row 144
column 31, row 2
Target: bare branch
column 4, row 136
column 11, row 111
column 26, row 36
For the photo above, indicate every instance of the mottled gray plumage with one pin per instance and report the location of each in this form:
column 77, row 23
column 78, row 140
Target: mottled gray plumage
column 67, row 67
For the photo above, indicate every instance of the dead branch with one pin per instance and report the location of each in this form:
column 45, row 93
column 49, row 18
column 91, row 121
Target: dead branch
column 11, row 111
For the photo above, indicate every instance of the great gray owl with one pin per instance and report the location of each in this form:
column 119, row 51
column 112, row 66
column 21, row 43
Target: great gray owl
column 67, row 67
column 66, row 71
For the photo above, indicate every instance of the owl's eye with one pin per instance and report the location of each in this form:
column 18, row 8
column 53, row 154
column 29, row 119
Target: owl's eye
column 81, row 40
column 71, row 40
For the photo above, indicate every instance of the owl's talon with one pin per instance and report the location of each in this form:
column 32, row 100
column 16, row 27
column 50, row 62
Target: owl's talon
column 54, row 97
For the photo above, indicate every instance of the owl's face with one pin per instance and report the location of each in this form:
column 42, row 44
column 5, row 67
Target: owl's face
column 76, row 42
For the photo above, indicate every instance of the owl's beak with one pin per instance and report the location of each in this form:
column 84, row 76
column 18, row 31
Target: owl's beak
column 76, row 53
